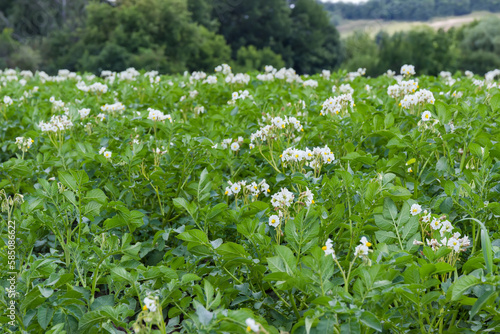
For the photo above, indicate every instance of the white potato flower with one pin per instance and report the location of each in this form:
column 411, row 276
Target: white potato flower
column 426, row 116
column 235, row 146
column 150, row 304
column 415, row 209
column 252, row 325
column 274, row 221
column 328, row 248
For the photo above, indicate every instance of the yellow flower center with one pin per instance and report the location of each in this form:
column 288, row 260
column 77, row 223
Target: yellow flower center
column 368, row 244
column 323, row 248
column 273, row 221
column 144, row 307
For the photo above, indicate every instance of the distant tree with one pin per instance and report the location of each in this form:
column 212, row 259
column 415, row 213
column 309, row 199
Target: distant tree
column 249, row 58
column 261, row 23
column 480, row 45
column 314, row 41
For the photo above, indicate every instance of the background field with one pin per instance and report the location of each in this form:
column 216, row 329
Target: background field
column 373, row 27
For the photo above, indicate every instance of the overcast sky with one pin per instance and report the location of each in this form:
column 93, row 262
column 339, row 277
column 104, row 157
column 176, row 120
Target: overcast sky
column 355, row 1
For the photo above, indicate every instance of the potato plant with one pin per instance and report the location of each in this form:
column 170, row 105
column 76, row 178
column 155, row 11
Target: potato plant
column 254, row 202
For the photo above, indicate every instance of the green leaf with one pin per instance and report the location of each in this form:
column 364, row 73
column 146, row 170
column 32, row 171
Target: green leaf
column 284, row 262
column 231, row 250
column 203, row 314
column 385, row 236
column 430, row 297
column 204, row 186
column 489, row 294
column 119, row 274
column 96, row 195
column 92, row 208
column 44, row 316
column 70, row 196
column 68, row 180
column 390, row 210
column 91, row 319
column 485, row 244
column 463, row 284
column 182, row 203
column 495, row 102
column 370, row 320
column 442, row 164
column 80, row 176
column 196, row 236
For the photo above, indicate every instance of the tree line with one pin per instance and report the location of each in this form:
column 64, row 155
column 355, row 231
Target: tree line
column 167, row 35
column 474, row 47
column 173, row 36
column 404, row 10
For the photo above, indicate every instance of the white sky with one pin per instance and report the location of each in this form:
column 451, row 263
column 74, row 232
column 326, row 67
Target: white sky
column 354, row 1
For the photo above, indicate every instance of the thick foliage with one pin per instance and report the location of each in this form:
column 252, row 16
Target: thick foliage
column 138, row 219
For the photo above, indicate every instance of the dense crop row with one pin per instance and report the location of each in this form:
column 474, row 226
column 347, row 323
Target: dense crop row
column 263, row 202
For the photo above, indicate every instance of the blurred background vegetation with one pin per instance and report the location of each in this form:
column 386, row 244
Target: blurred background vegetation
column 173, row 36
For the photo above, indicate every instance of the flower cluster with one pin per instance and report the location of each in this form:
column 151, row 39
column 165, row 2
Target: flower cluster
column 24, row 143
column 240, row 95
column 282, row 199
column 130, row 74
column 289, row 75
column 353, row 75
column 234, row 145
column 346, row 89
column 94, row 88
column 156, row 115
column 58, row 104
column 224, row 69
column 56, row 123
column 440, row 228
column 402, row 88
column 239, row 78
column 265, row 76
column 105, row 152
column 84, row 112
column 326, row 74
column 337, row 105
column 277, row 123
column 211, row 80
column 421, row 97
column 315, row 158
column 250, row 189
column 197, row 76
column 407, row 70
column 310, row 83
column 7, row 100
column 115, row 107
